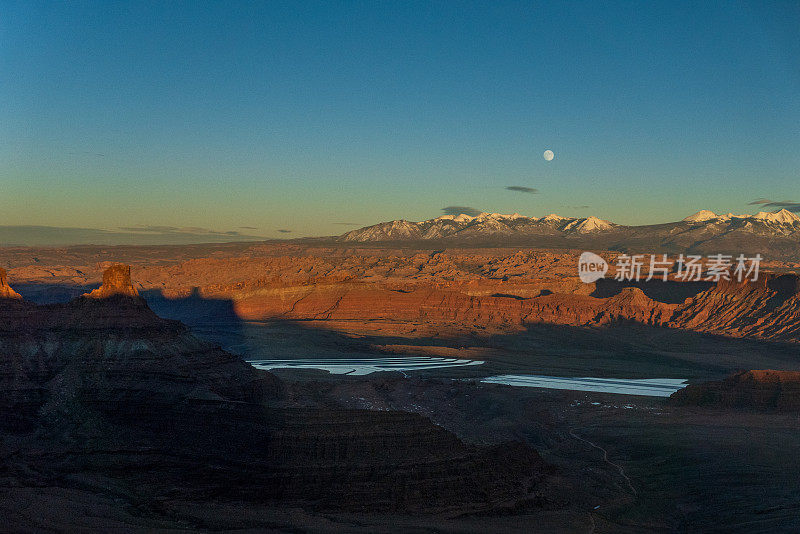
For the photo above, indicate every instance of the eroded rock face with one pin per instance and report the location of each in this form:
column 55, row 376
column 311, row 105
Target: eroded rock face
column 766, row 309
column 760, row 390
column 116, row 281
column 104, row 387
column 447, row 292
column 5, row 290
column 443, row 306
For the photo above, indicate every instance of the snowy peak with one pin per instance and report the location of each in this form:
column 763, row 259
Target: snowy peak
column 502, row 228
column 555, row 218
column 500, row 216
column 463, row 217
column 782, row 216
column 700, row 216
column 387, row 231
column 776, row 233
column 587, row 225
column 483, row 225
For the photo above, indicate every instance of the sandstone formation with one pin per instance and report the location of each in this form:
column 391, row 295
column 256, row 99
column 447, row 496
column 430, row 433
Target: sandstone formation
column 116, row 281
column 101, row 396
column 105, row 389
column 769, row 309
column 441, row 291
column 766, row 309
column 5, row 290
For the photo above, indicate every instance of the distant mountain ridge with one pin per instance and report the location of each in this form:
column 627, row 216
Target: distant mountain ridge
column 55, row 236
column 775, row 233
column 475, row 226
column 782, row 216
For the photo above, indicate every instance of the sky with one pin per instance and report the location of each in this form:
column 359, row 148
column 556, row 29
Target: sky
column 313, row 118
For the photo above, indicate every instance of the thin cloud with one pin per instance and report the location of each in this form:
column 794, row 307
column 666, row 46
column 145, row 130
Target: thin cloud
column 577, row 207
column 284, row 231
column 130, row 235
column 150, row 228
column 790, row 205
column 248, row 228
column 169, row 230
column 522, row 189
column 458, row 210
column 84, row 153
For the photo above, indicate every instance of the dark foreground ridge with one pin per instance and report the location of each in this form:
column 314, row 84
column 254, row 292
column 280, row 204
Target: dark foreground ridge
column 102, row 395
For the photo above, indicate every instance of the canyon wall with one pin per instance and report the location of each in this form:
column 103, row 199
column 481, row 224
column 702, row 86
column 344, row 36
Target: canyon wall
column 487, row 290
column 101, row 388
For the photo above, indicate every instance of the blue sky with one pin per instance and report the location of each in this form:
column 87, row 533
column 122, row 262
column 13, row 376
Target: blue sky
column 311, row 116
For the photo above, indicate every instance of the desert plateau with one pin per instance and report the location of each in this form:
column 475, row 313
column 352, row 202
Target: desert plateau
column 105, row 387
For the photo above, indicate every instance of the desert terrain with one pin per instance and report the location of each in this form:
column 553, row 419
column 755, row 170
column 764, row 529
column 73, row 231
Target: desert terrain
column 399, row 267
column 718, row 455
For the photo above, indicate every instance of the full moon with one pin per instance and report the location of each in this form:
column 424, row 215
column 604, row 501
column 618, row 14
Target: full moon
column 548, row 155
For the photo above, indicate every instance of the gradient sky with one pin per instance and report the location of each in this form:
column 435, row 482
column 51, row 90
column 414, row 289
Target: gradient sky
column 308, row 116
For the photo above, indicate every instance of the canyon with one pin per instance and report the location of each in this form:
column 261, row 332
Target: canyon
column 116, row 372
column 102, row 395
column 449, row 292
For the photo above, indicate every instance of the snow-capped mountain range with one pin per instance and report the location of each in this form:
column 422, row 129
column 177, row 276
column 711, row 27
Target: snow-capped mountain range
column 705, row 231
column 782, row 216
column 485, row 224
column 498, row 224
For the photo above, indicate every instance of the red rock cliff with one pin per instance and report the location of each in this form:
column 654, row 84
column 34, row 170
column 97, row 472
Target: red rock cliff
column 5, row 290
column 116, row 281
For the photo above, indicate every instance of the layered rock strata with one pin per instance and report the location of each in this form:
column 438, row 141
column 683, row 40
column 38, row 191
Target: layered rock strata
column 101, row 387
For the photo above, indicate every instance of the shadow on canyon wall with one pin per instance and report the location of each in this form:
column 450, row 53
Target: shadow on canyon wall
column 672, row 292
column 193, row 309
column 44, row 293
column 214, row 453
column 786, row 285
column 658, row 290
column 619, row 349
column 623, row 348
